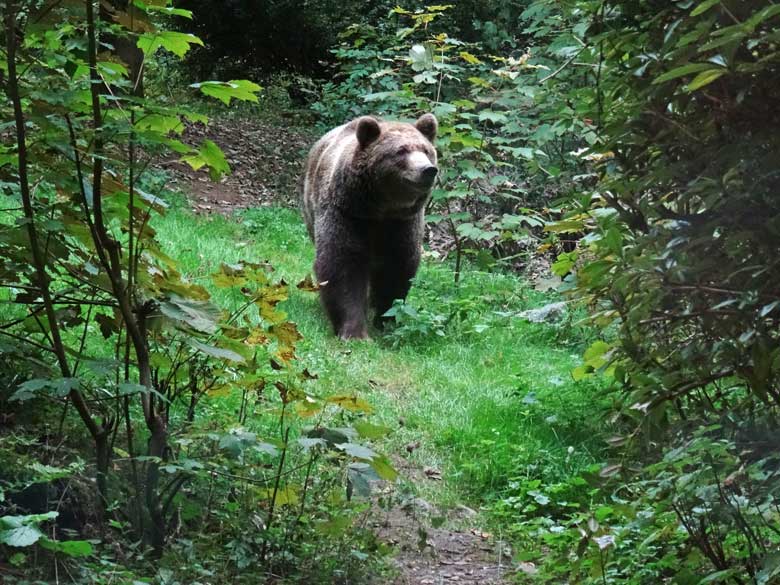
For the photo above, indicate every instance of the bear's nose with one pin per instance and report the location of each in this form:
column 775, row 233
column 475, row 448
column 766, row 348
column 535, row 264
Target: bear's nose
column 429, row 173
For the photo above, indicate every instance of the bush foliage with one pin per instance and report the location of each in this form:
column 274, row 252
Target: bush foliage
column 113, row 363
column 649, row 127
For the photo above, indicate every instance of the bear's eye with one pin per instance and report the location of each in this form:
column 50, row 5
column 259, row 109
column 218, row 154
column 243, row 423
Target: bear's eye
column 402, row 151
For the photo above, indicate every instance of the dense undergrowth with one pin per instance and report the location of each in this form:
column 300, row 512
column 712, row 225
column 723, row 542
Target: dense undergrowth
column 647, row 126
column 452, row 394
column 451, row 371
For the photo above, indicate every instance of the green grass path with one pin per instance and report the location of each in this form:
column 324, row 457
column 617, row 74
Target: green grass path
column 485, row 407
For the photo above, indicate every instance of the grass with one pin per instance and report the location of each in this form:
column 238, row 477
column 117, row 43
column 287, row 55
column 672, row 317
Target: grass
column 484, row 407
column 477, row 394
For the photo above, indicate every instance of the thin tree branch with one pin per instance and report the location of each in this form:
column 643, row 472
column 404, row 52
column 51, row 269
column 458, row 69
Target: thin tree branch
column 29, row 213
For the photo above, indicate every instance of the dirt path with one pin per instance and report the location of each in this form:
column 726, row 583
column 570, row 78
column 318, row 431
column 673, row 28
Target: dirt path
column 456, row 552
column 433, row 546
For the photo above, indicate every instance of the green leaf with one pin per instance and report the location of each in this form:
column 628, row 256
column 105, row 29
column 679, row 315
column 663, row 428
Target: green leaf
column 167, row 10
column 495, row 117
column 48, row 473
column 217, row 352
column 71, row 548
column 595, row 354
column 704, row 7
column 718, row 576
column 383, row 468
column 335, row 526
column 770, row 567
column 704, row 78
column 421, row 57
column 308, row 443
column 21, row 536
column 160, row 123
column 766, row 309
column 209, row 155
column 60, row 387
column 177, row 43
column 369, row 431
column 225, row 91
column 564, row 264
column 8, row 157
column 27, row 390
column 357, row 451
column 360, row 476
column 198, row 315
column 130, row 389
column 382, row 95
column 681, row 72
column 20, row 531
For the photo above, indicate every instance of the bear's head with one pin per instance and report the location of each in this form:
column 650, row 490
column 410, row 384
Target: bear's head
column 401, row 158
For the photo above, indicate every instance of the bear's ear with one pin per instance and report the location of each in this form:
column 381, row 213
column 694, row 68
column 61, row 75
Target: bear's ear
column 428, row 125
column 367, row 130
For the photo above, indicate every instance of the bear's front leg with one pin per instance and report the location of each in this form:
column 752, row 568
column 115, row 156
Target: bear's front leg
column 398, row 258
column 342, row 262
column 344, row 297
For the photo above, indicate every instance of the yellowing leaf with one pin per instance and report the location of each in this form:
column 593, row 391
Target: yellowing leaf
column 479, row 81
column 286, row 334
column 308, row 407
column 256, row 337
column 268, row 298
column 571, row 225
column 308, row 285
column 469, row 58
column 220, row 391
column 133, row 20
column 285, row 496
column 350, row 402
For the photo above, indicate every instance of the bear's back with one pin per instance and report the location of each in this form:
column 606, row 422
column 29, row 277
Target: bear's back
column 331, row 151
column 326, row 156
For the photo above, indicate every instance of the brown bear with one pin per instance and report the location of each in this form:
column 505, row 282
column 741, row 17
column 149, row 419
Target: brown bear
column 363, row 197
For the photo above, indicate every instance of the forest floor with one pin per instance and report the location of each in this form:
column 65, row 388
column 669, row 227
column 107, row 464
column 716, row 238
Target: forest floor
column 459, row 408
column 265, row 159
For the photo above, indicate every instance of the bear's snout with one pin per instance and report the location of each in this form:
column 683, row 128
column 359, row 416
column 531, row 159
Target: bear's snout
column 423, row 170
column 429, row 173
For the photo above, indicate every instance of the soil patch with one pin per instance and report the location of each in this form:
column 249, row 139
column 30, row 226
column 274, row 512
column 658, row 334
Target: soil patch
column 265, row 159
column 457, row 551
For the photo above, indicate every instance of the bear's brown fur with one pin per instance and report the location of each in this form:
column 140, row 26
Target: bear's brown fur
column 363, row 197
